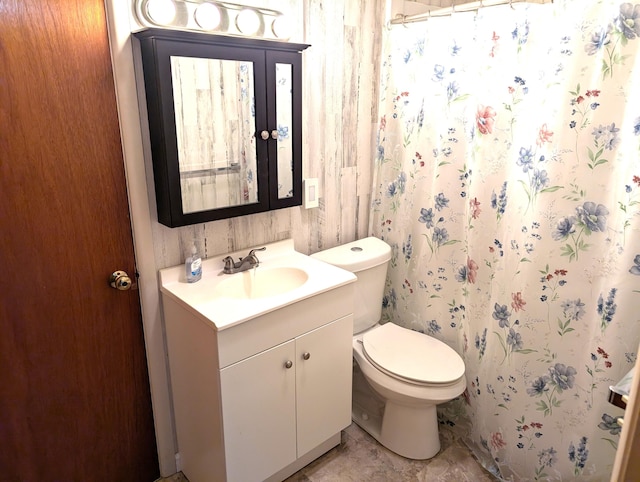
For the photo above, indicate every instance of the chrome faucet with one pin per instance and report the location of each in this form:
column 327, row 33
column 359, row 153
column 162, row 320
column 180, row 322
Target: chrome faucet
column 243, row 264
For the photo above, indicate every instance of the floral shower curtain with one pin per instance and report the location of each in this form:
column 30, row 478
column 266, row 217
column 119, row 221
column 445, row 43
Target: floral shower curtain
column 507, row 182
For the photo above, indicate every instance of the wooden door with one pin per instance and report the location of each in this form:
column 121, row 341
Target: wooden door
column 626, row 467
column 74, row 388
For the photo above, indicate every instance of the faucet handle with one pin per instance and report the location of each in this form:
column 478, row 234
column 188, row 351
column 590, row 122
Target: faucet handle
column 228, row 263
column 253, row 259
column 252, row 252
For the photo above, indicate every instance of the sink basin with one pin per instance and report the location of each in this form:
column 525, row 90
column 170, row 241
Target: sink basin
column 261, row 283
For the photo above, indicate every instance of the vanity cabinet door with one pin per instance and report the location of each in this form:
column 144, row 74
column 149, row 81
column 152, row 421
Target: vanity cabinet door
column 323, row 382
column 258, row 412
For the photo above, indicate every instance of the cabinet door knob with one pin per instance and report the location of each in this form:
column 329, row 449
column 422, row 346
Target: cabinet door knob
column 288, row 364
column 274, row 134
column 306, row 355
column 264, row 135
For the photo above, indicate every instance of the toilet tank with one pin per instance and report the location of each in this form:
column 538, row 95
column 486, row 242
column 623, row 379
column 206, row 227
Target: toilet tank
column 368, row 259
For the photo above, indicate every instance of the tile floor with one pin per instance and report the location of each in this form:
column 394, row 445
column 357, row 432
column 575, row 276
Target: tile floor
column 360, row 458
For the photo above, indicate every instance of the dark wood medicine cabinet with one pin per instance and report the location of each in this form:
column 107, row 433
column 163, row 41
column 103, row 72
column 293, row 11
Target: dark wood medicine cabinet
column 225, row 124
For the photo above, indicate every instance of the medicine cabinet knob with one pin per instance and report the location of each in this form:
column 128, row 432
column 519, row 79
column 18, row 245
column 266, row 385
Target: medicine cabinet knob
column 306, row 355
column 264, row 135
column 288, row 364
column 120, row 280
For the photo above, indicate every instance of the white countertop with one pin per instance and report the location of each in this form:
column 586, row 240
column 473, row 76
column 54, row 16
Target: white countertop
column 226, row 312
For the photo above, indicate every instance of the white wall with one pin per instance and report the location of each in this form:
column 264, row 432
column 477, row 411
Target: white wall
column 340, row 81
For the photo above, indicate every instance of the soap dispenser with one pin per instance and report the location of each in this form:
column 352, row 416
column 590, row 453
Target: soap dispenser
column 193, row 266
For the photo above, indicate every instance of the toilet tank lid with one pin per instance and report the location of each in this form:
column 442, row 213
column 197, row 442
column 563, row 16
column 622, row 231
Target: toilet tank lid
column 357, row 255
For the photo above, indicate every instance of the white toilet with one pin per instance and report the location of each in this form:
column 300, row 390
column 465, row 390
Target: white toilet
column 399, row 375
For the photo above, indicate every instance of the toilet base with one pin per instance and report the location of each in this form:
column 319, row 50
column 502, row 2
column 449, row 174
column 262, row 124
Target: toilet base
column 415, row 438
column 409, row 431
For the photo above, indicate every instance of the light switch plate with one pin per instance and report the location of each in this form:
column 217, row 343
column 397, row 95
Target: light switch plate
column 310, row 193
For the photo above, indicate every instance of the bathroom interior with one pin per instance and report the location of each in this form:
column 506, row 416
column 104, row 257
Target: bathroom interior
column 494, row 152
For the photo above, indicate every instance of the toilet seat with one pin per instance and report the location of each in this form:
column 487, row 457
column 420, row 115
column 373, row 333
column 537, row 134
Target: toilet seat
column 411, row 356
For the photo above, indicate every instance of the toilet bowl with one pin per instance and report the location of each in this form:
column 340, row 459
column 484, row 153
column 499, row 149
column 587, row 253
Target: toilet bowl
column 408, row 425
column 400, row 375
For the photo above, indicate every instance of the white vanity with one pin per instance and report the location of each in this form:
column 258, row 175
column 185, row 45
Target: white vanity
column 261, row 364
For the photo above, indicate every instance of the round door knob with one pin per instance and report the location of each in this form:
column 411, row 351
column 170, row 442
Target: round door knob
column 274, row 134
column 120, row 280
column 264, row 135
column 306, row 355
column 288, row 364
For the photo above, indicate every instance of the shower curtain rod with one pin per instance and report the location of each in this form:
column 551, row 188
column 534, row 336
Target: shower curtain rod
column 462, row 7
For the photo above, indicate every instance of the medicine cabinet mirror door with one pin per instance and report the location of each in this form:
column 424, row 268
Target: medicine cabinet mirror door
column 215, row 118
column 205, row 104
column 284, row 79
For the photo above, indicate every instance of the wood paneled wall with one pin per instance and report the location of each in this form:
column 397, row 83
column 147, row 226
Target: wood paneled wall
column 340, row 82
